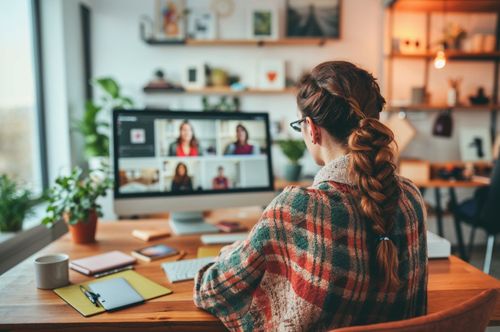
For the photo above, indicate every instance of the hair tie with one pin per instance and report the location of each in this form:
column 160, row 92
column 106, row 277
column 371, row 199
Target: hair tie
column 383, row 238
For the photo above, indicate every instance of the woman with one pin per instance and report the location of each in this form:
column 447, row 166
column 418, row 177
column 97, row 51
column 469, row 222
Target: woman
column 241, row 146
column 350, row 249
column 182, row 181
column 186, row 144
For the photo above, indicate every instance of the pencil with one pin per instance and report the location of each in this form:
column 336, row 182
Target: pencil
column 181, row 255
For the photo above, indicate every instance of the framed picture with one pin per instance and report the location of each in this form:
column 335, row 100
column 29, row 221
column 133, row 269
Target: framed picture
column 263, row 23
column 202, row 24
column 271, row 75
column 170, row 20
column 313, row 18
column 194, row 77
column 475, row 144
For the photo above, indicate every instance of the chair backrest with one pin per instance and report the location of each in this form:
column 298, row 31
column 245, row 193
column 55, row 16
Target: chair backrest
column 490, row 214
column 470, row 316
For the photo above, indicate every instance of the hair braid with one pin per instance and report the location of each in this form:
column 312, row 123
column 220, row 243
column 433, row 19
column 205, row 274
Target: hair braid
column 373, row 172
column 346, row 101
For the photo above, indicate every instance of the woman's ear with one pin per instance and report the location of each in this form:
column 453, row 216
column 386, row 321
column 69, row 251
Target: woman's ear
column 314, row 132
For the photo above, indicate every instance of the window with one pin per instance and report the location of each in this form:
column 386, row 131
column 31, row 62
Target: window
column 22, row 145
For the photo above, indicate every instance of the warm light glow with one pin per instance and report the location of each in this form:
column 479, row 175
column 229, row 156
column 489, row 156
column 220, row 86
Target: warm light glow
column 440, row 60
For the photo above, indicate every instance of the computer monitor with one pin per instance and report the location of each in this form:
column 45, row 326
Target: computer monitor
column 187, row 162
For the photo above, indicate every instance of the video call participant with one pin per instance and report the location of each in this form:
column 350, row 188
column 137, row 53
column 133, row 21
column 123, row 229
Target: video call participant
column 182, row 181
column 186, row 144
column 220, row 181
column 241, row 146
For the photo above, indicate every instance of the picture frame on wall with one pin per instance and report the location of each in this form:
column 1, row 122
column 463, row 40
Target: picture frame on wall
column 313, row 18
column 194, row 77
column 202, row 25
column 475, row 144
column 170, row 20
column 263, row 23
column 271, row 75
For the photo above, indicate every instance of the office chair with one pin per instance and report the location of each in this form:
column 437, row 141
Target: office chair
column 483, row 211
column 471, row 316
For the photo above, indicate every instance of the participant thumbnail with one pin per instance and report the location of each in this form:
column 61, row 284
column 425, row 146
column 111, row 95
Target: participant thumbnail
column 243, row 137
column 185, row 138
column 138, row 176
column 181, row 175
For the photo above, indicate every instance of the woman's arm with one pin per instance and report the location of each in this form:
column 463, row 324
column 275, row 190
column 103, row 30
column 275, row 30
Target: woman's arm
column 225, row 288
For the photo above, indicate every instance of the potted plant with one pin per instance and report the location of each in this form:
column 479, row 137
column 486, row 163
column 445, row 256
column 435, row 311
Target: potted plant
column 15, row 204
column 74, row 198
column 96, row 131
column 293, row 150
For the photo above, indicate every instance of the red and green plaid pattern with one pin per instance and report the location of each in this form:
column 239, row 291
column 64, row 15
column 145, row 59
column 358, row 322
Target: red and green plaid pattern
column 309, row 264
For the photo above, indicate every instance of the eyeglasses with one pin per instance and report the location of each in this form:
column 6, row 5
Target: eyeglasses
column 296, row 124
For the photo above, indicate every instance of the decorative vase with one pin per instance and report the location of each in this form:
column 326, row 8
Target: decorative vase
column 292, row 172
column 84, row 231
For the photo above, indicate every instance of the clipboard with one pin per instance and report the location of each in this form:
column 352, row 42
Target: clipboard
column 72, row 294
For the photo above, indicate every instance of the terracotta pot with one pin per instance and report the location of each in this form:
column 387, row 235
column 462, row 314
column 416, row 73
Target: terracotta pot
column 83, row 231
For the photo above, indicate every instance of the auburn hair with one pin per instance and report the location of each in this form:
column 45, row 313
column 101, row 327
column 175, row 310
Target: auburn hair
column 345, row 100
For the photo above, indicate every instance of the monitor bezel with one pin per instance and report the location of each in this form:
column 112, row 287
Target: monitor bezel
column 189, row 115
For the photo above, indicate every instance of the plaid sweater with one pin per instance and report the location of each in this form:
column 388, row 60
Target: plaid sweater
column 309, row 263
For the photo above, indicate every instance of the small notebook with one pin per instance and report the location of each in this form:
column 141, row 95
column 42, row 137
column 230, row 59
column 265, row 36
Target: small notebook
column 150, row 234
column 209, row 251
column 116, row 293
column 147, row 288
column 103, row 262
column 157, row 251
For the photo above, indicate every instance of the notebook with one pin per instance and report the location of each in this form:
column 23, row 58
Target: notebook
column 157, row 251
column 116, row 293
column 150, row 234
column 147, row 288
column 209, row 251
column 103, row 262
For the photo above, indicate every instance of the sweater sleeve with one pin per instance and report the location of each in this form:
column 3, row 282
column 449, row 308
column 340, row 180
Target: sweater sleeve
column 225, row 288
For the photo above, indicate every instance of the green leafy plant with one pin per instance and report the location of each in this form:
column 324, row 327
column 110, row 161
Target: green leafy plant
column 94, row 131
column 75, row 196
column 15, row 204
column 293, row 149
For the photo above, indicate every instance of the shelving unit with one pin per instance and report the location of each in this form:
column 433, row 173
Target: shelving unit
column 431, row 6
column 221, row 91
column 239, row 42
column 433, row 108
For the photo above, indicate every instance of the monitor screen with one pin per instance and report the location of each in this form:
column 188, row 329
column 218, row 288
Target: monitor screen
column 167, row 153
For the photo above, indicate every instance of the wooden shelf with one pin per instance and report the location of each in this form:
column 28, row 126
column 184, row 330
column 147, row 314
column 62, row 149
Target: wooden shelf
column 222, row 91
column 241, row 42
column 451, row 55
column 432, row 108
column 476, row 6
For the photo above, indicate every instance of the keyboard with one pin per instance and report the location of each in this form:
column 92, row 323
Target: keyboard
column 223, row 238
column 185, row 269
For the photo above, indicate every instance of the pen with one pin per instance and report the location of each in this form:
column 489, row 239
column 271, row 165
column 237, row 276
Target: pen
column 91, row 296
column 120, row 269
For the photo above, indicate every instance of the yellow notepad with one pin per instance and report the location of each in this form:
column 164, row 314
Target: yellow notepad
column 74, row 296
column 208, row 251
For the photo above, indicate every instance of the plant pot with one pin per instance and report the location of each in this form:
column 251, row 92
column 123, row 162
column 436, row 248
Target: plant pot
column 292, row 172
column 84, row 231
column 13, row 226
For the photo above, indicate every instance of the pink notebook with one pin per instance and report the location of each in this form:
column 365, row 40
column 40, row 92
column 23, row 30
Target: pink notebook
column 103, row 262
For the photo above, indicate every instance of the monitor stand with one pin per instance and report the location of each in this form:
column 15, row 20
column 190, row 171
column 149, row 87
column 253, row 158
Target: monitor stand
column 185, row 223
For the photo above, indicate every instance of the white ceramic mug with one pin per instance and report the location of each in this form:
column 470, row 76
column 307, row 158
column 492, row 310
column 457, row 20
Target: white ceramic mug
column 51, row 271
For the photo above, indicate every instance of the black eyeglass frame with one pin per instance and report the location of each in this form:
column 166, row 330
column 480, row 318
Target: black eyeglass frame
column 295, row 125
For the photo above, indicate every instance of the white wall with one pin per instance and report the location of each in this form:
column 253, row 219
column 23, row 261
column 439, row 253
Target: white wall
column 119, row 52
column 63, row 83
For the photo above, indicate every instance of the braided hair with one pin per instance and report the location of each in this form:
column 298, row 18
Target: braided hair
column 345, row 100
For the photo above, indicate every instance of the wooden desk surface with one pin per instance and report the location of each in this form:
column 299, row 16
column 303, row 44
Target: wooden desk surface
column 24, row 307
